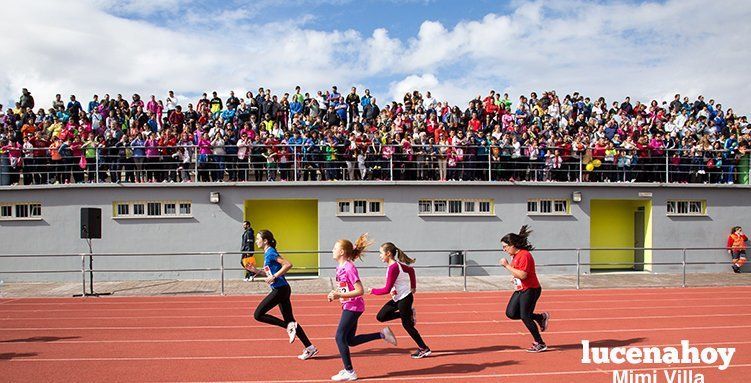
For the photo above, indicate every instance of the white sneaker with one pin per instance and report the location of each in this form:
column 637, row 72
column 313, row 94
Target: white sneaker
column 308, row 353
column 344, row 376
column 388, row 336
column 246, row 279
column 292, row 331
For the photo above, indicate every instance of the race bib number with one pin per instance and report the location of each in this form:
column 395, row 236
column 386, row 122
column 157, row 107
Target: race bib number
column 343, row 289
column 517, row 284
column 267, row 270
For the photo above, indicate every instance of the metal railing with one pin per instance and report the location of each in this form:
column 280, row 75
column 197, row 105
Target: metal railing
column 579, row 264
column 191, row 163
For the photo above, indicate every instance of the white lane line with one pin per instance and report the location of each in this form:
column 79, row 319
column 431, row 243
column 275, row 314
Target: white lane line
column 470, row 335
column 363, row 324
column 235, row 357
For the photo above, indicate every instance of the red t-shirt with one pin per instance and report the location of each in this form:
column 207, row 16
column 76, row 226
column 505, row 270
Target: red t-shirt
column 523, row 261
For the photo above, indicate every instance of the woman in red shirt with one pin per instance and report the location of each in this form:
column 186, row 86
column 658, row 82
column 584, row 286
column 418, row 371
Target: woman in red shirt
column 737, row 247
column 521, row 306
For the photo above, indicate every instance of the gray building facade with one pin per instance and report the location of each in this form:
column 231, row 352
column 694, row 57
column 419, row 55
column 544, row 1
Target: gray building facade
column 438, row 217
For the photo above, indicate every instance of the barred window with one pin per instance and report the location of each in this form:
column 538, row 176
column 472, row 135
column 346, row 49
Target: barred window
column 548, row 207
column 152, row 209
column 687, row 207
column 444, row 207
column 359, row 207
column 21, row 211
column 426, row 207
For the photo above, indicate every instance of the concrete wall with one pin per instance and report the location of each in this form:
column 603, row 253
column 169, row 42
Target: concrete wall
column 217, row 227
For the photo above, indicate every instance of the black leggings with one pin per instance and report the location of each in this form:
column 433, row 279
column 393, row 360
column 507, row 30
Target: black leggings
column 402, row 309
column 279, row 297
column 345, row 336
column 522, row 306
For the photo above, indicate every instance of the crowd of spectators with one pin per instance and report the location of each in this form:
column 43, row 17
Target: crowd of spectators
column 334, row 136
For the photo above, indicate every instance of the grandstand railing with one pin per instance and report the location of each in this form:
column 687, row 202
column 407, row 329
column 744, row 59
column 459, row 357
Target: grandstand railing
column 190, row 163
column 464, row 266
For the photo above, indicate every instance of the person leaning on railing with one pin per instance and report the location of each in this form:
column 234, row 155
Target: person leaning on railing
column 736, row 246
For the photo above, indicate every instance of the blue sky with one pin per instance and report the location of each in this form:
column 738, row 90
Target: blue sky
column 401, row 18
column 456, row 49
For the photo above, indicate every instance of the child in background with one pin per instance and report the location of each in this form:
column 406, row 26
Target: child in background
column 737, row 248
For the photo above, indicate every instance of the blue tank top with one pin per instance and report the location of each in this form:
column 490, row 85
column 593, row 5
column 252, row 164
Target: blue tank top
column 271, row 260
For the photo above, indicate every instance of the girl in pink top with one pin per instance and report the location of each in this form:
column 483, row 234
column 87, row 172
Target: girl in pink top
column 349, row 292
column 401, row 284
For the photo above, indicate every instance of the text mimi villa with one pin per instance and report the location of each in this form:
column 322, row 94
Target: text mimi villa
column 685, row 355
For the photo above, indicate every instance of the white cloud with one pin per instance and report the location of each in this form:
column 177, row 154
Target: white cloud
column 645, row 50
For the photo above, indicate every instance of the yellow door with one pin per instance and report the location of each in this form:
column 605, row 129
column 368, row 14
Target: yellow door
column 294, row 223
column 612, row 226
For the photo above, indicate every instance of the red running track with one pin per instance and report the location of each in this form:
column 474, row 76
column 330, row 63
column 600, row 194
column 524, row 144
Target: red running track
column 215, row 339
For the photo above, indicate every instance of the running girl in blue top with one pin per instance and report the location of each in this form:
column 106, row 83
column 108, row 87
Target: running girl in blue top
column 274, row 268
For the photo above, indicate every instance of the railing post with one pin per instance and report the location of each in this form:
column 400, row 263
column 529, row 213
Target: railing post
column 83, row 274
column 581, row 169
column 578, row 267
column 294, row 159
column 96, row 152
column 221, row 268
column 683, row 283
column 195, row 157
column 490, row 167
column 464, row 268
column 391, row 166
column 667, row 160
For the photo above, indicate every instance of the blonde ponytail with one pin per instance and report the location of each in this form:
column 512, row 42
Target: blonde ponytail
column 356, row 251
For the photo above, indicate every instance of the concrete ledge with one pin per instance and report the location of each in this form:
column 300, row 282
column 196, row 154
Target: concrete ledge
column 277, row 184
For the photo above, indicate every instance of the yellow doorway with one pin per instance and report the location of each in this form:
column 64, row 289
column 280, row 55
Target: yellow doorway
column 620, row 224
column 294, row 223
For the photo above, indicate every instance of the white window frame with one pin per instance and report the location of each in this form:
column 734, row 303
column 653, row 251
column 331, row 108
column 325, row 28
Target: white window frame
column 462, row 204
column 356, row 202
column 145, row 215
column 15, row 206
column 535, row 206
column 676, row 204
column 427, row 204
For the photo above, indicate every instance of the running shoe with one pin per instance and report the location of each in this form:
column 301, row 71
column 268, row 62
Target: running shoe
column 544, row 322
column 344, row 376
column 308, row 353
column 421, row 353
column 537, row 347
column 292, row 331
column 388, row 336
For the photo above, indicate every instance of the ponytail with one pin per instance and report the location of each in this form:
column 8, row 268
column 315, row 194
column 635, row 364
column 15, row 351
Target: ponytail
column 355, row 252
column 520, row 240
column 397, row 253
column 268, row 236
